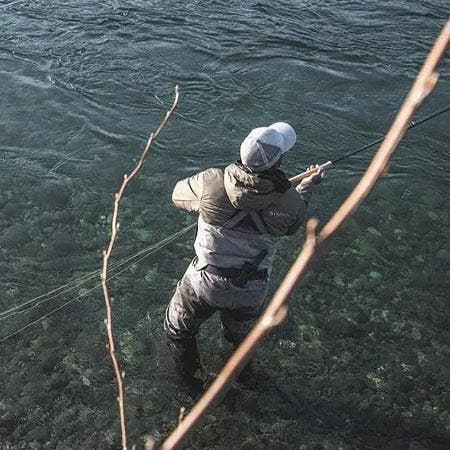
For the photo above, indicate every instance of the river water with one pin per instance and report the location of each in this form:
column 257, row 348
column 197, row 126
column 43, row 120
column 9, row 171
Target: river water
column 364, row 358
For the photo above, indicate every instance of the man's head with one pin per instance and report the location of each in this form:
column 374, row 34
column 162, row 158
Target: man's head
column 264, row 146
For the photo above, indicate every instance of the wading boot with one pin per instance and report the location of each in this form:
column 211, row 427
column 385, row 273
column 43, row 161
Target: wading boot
column 247, row 376
column 187, row 362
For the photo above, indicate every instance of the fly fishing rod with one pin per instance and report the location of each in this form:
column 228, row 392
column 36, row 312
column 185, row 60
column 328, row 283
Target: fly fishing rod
column 328, row 164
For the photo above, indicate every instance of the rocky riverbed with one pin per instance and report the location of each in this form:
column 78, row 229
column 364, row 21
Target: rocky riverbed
column 362, row 362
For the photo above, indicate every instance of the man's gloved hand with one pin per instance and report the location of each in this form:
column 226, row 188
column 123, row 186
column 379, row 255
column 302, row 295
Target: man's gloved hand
column 308, row 183
column 316, row 177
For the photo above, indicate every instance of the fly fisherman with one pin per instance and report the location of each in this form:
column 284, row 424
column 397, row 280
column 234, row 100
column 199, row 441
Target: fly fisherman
column 244, row 210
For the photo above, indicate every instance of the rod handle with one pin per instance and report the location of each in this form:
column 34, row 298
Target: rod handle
column 301, row 176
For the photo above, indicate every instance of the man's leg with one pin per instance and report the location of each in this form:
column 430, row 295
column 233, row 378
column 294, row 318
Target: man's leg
column 186, row 360
column 184, row 315
column 247, row 307
column 237, row 322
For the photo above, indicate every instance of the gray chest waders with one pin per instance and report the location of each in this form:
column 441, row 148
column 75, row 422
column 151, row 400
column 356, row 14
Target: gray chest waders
column 248, row 271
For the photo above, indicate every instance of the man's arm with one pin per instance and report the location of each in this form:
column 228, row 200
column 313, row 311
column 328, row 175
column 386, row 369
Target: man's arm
column 188, row 193
column 304, row 190
column 307, row 185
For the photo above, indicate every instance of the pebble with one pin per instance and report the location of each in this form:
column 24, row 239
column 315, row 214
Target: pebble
column 64, row 244
column 443, row 254
column 375, row 275
column 14, row 236
column 53, row 195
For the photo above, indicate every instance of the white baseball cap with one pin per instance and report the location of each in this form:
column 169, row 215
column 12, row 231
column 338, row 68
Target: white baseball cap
column 264, row 146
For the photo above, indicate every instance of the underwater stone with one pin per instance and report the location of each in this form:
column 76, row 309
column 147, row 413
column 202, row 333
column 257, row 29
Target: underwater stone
column 445, row 231
column 139, row 222
column 53, row 195
column 144, row 235
column 406, row 384
column 443, row 254
column 370, row 243
column 373, row 231
column 64, row 244
column 11, row 210
column 375, row 275
column 14, row 236
column 91, row 244
column 26, row 401
column 417, row 446
column 419, row 222
column 252, row 443
column 3, row 199
column 83, row 291
column 39, row 434
column 57, row 381
column 8, row 421
column 63, row 216
column 48, row 360
column 336, row 323
column 32, row 249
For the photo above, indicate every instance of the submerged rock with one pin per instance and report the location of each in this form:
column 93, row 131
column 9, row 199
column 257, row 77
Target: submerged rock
column 63, row 244
column 15, row 236
column 375, row 275
column 8, row 421
column 11, row 210
column 336, row 323
column 53, row 195
column 145, row 235
column 371, row 243
column 39, row 434
column 444, row 255
column 32, row 249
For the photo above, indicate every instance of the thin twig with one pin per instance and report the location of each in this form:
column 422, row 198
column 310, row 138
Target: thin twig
column 277, row 309
column 107, row 254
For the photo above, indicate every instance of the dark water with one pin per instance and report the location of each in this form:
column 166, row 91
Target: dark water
column 364, row 360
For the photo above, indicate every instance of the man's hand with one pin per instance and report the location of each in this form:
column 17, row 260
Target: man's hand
column 316, row 177
column 307, row 185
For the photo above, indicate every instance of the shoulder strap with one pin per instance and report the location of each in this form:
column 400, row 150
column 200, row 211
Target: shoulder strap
column 259, row 222
column 235, row 219
column 239, row 216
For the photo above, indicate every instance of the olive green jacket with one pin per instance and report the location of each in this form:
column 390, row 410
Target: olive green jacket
column 218, row 195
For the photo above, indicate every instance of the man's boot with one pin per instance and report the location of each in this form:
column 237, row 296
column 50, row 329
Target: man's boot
column 247, row 376
column 187, row 362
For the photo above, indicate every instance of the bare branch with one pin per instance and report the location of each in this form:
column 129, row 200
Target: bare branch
column 424, row 83
column 106, row 256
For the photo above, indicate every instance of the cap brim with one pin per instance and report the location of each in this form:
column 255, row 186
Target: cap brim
column 288, row 133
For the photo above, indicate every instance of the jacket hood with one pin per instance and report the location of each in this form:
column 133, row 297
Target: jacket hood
column 249, row 191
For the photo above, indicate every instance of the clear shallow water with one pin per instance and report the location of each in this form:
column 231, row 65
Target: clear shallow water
column 82, row 84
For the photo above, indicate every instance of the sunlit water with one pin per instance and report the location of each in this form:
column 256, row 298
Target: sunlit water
column 364, row 359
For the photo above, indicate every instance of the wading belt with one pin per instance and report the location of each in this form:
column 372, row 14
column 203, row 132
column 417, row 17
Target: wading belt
column 240, row 276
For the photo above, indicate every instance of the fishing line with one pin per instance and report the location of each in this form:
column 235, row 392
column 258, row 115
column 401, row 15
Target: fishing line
column 18, row 309
column 156, row 248
column 297, row 179
column 377, row 141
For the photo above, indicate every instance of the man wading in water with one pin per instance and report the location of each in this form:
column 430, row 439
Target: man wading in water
column 243, row 211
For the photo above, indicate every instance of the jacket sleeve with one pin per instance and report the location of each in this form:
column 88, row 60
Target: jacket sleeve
column 300, row 216
column 188, row 193
column 303, row 196
column 305, row 189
